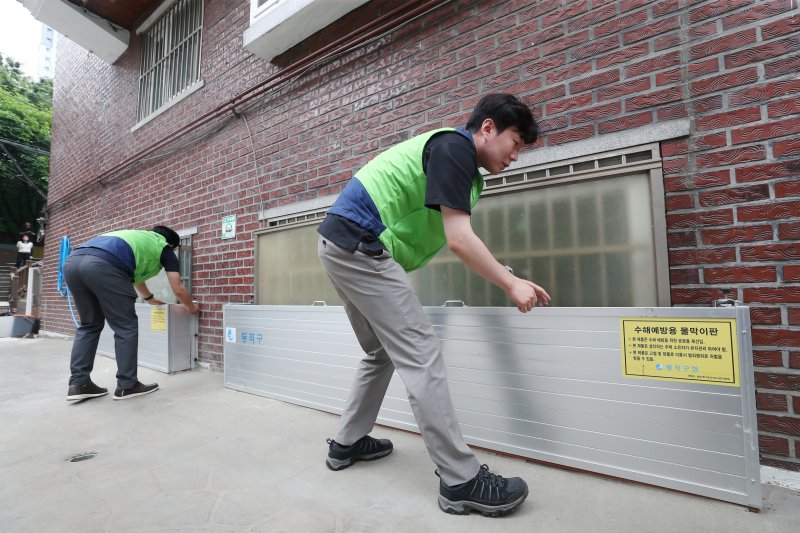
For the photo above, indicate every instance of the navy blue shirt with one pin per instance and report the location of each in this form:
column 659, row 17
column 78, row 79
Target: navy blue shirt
column 118, row 253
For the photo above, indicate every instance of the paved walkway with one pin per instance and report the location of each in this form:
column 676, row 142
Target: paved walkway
column 196, row 457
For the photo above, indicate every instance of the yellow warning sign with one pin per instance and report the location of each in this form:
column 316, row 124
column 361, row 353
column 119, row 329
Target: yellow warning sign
column 158, row 319
column 678, row 349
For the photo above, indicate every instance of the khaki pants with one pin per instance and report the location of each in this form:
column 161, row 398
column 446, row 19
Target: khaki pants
column 395, row 333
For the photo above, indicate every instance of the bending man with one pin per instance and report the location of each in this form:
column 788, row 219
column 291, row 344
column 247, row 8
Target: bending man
column 392, row 218
column 101, row 275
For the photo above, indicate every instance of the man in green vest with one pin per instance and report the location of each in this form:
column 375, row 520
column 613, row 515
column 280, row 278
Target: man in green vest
column 101, row 275
column 391, row 218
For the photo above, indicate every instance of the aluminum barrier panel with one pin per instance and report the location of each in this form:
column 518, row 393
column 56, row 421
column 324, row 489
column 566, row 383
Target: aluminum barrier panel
column 663, row 396
column 167, row 340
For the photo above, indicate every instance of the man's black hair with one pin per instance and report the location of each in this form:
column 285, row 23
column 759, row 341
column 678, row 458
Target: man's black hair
column 506, row 111
column 173, row 239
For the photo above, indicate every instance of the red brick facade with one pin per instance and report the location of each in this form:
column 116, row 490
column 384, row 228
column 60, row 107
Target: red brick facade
column 586, row 67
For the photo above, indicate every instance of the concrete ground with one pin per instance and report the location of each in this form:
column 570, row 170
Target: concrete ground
column 196, row 457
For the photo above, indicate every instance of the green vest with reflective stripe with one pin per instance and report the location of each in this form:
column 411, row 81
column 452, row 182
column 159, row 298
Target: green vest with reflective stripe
column 147, row 247
column 396, row 183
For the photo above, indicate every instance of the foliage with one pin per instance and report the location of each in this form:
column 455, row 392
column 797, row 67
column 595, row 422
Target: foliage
column 25, row 115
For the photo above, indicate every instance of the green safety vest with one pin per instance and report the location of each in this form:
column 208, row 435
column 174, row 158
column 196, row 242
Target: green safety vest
column 396, row 183
column 147, row 247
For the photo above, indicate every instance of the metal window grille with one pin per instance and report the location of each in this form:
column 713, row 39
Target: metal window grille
column 296, row 220
column 170, row 56
column 185, row 262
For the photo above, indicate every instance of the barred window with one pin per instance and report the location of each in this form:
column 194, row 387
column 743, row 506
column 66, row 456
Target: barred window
column 170, row 56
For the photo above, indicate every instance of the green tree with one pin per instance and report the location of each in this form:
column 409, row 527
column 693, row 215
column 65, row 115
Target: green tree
column 25, row 115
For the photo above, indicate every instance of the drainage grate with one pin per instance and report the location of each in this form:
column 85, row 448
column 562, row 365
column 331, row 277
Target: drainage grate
column 83, row 456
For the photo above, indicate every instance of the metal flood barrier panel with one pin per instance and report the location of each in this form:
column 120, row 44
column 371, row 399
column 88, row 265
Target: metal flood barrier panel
column 663, row 396
column 167, row 338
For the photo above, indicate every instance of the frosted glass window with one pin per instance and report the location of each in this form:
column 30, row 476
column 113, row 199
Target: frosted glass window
column 589, row 244
column 289, row 271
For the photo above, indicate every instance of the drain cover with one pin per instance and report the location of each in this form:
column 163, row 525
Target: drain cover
column 83, row 456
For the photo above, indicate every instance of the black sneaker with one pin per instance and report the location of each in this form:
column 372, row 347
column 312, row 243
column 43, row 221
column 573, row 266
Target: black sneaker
column 487, row 493
column 84, row 392
column 136, row 390
column 364, row 449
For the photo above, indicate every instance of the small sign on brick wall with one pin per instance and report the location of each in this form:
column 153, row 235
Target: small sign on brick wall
column 229, row 227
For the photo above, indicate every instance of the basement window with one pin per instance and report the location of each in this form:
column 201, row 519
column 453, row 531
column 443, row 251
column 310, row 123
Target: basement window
column 590, row 230
column 170, row 65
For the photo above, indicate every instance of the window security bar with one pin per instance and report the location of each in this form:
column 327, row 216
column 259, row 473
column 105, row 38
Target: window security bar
column 170, row 56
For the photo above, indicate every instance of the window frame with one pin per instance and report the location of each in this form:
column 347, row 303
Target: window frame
column 150, row 62
column 257, row 11
column 292, row 221
column 185, row 264
column 639, row 159
column 652, row 166
column 278, row 25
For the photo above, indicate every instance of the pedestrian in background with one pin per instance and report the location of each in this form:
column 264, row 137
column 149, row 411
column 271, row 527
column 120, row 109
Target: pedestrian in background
column 27, row 229
column 24, row 250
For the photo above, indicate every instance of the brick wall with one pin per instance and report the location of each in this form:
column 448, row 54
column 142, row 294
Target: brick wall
column 587, row 68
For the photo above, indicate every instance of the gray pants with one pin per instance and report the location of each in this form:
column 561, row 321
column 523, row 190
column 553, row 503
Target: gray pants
column 395, row 333
column 101, row 292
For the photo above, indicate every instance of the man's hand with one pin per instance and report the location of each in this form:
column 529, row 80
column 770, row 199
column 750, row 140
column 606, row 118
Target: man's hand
column 463, row 242
column 181, row 293
column 526, row 295
column 153, row 301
